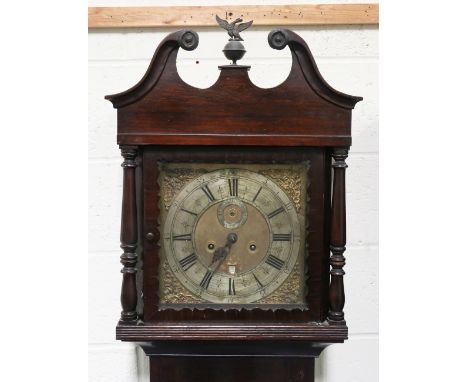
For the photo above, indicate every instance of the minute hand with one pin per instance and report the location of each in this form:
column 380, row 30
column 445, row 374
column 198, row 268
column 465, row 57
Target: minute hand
column 221, row 253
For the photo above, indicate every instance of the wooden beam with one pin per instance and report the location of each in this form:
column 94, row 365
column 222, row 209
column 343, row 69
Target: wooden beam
column 272, row 15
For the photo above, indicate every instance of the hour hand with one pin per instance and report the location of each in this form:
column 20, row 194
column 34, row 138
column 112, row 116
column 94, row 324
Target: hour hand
column 221, row 252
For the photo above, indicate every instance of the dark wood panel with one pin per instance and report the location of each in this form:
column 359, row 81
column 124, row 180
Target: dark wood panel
column 250, row 361
column 164, row 110
column 233, row 140
column 264, row 348
column 230, row 369
column 233, row 104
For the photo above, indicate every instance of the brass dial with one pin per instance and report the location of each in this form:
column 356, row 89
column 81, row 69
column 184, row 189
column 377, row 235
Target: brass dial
column 232, row 236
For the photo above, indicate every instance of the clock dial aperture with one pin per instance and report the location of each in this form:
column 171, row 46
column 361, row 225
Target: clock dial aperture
column 232, row 236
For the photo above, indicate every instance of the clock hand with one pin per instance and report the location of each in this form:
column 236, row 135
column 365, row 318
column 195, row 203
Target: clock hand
column 221, row 253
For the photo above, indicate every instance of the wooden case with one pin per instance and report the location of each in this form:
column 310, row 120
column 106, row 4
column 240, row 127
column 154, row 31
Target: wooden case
column 164, row 119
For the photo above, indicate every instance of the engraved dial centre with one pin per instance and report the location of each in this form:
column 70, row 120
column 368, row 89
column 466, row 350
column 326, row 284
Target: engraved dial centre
column 253, row 232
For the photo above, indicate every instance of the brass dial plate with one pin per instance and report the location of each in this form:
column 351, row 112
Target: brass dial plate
column 269, row 229
column 249, row 250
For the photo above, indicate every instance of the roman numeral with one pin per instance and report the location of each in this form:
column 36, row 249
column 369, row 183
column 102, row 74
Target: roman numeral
column 186, row 236
column 187, row 262
column 233, row 187
column 206, row 279
column 275, row 212
column 189, row 212
column 256, row 195
column 232, row 287
column 275, row 262
column 208, row 193
column 256, row 279
column 281, row 237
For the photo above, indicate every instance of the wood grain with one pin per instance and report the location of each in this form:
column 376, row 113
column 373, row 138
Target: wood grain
column 129, row 237
column 203, row 368
column 304, row 110
column 232, row 361
column 338, row 237
column 233, row 331
column 189, row 16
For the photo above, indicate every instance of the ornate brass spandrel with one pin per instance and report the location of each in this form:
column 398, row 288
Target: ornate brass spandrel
column 174, row 179
column 290, row 179
column 173, row 291
column 290, row 292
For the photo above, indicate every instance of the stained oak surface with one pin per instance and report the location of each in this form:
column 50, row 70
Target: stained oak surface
column 231, row 369
column 232, row 108
column 302, row 111
column 194, row 361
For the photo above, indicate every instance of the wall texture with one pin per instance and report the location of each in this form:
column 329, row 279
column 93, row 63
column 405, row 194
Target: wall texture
column 348, row 59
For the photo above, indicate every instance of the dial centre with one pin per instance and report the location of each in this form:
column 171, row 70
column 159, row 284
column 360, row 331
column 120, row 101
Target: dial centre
column 253, row 235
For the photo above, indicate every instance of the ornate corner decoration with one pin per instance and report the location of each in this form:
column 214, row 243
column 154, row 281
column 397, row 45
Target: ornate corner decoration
column 174, row 180
column 289, row 180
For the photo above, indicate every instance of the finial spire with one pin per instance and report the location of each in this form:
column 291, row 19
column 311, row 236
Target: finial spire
column 234, row 28
column 234, row 50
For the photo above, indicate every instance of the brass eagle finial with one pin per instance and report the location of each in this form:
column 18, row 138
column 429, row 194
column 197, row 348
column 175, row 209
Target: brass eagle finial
column 234, row 28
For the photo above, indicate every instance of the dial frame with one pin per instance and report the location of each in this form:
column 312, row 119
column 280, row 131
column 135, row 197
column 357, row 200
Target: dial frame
column 316, row 237
column 220, row 289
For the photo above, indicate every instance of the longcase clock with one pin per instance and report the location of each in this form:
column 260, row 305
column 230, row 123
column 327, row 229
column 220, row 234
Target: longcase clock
column 233, row 217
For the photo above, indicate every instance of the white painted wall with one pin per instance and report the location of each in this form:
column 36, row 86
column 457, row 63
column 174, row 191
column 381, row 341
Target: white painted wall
column 347, row 57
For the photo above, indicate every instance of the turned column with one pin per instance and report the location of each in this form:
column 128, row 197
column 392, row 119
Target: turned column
column 129, row 236
column 338, row 237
